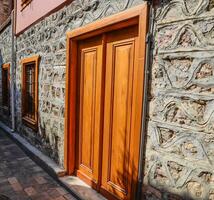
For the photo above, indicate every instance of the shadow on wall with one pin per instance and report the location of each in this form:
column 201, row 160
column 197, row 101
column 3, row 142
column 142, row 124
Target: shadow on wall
column 120, row 179
column 4, row 94
column 151, row 193
column 50, row 139
column 45, row 138
column 40, row 137
column 1, row 58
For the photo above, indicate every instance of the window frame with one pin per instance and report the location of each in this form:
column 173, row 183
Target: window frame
column 30, row 122
column 6, row 66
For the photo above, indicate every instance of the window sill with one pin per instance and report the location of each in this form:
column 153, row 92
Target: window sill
column 30, row 122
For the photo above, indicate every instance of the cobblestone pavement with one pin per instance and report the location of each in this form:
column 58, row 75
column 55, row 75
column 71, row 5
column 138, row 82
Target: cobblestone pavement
column 22, row 179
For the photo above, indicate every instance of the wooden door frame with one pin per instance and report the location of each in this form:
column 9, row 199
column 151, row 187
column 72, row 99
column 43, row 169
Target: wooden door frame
column 32, row 123
column 6, row 66
column 136, row 15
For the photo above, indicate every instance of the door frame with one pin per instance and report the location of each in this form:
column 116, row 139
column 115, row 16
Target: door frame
column 134, row 16
column 6, row 66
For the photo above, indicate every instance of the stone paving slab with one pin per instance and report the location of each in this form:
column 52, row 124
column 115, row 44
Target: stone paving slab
column 22, row 179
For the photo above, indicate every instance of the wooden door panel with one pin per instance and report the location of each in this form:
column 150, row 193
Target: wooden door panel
column 120, row 115
column 117, row 167
column 112, row 167
column 90, row 63
column 87, row 137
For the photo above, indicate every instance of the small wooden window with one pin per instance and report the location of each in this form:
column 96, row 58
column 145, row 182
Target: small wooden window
column 30, row 91
column 6, row 87
column 24, row 3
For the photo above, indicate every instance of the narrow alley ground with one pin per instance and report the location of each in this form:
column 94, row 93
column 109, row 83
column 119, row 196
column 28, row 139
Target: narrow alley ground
column 22, row 179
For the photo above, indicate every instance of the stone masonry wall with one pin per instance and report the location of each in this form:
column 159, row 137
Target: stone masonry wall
column 48, row 39
column 180, row 143
column 5, row 57
column 180, row 137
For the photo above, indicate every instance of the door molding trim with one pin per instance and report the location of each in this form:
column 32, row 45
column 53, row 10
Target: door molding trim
column 136, row 15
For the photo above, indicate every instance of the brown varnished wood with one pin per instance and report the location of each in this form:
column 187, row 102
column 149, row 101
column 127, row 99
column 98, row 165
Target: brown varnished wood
column 102, row 108
column 90, row 82
column 32, row 123
column 6, row 66
column 138, row 90
column 119, row 130
column 105, row 29
column 113, row 22
column 120, row 102
column 70, row 107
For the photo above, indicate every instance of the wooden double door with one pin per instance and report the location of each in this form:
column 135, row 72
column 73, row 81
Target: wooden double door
column 108, row 112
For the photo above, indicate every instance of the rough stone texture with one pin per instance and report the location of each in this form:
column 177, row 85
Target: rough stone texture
column 48, row 39
column 5, row 57
column 180, row 135
column 180, row 143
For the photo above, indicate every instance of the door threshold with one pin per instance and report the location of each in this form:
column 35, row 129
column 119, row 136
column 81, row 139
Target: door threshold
column 80, row 188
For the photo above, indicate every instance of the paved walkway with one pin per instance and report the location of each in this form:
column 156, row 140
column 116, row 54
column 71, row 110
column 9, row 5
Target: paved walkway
column 22, row 179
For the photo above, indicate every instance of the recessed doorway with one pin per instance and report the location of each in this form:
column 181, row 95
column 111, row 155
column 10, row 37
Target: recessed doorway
column 105, row 76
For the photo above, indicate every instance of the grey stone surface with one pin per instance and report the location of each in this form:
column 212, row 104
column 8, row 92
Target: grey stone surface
column 180, row 145
column 48, row 39
column 180, row 134
column 5, row 57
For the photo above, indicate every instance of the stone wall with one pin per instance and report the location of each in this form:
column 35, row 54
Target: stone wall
column 5, row 57
column 48, row 39
column 180, row 142
column 180, row 136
